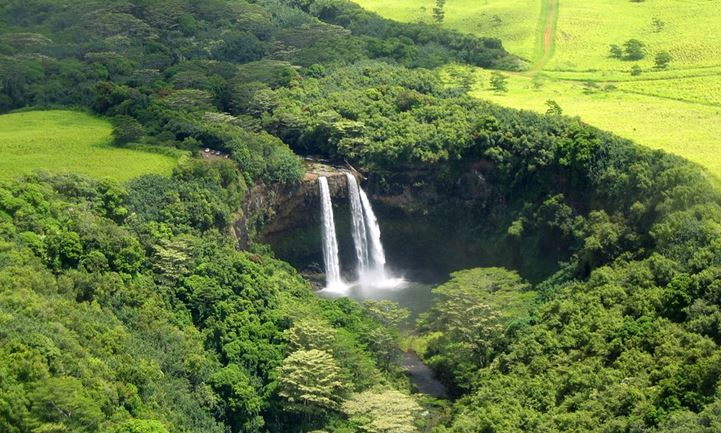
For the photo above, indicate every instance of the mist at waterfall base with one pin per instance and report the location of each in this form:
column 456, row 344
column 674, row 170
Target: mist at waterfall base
column 373, row 279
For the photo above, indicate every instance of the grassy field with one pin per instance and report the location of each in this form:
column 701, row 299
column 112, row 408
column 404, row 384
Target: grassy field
column 566, row 45
column 514, row 21
column 627, row 114
column 691, row 32
column 68, row 141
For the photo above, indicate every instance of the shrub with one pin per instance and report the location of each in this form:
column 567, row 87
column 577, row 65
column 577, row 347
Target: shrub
column 634, row 49
column 663, row 59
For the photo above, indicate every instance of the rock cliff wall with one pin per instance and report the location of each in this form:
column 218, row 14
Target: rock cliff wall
column 271, row 210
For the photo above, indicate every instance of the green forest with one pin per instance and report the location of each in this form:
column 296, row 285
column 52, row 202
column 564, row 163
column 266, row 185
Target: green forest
column 129, row 304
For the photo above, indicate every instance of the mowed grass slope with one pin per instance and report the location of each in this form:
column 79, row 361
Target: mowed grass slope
column 691, row 32
column 677, row 109
column 68, row 141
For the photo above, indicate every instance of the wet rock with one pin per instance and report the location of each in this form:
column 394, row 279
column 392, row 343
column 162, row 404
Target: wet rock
column 270, row 210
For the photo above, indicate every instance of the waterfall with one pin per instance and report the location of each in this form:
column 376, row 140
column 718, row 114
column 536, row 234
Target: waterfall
column 330, row 242
column 360, row 236
column 377, row 255
column 370, row 255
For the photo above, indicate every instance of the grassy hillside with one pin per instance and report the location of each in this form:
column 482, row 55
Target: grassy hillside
column 689, row 32
column 514, row 21
column 687, row 129
column 677, row 109
column 70, row 141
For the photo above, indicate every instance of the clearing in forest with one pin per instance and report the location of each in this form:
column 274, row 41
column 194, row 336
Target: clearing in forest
column 69, row 141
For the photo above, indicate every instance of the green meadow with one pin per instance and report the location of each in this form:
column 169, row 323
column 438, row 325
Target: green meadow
column 514, row 21
column 656, row 122
column 566, row 48
column 690, row 30
column 69, row 141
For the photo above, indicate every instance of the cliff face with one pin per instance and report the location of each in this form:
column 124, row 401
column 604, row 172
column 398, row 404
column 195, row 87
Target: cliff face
column 432, row 222
column 270, row 211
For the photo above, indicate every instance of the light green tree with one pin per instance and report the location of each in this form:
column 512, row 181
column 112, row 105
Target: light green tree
column 310, row 381
column 307, row 334
column 382, row 411
column 387, row 312
column 142, row 426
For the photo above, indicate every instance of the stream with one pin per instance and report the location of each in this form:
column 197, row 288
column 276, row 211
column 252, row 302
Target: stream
column 422, row 377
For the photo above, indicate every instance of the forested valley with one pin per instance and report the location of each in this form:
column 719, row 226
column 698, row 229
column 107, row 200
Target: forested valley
column 130, row 308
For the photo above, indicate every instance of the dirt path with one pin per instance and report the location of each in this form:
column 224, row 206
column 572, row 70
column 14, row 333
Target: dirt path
column 547, row 34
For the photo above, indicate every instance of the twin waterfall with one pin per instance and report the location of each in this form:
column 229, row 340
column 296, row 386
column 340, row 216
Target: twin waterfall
column 370, row 257
column 330, row 242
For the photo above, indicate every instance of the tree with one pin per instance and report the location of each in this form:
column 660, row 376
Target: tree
column 465, row 326
column 241, row 400
column 126, row 130
column 142, row 426
column 438, row 11
column 658, row 24
column 663, row 59
column 636, row 70
column 387, row 312
column 383, row 344
column 64, row 400
column 310, row 382
column 498, row 82
column 382, row 411
column 616, row 51
column 307, row 334
column 634, row 49
column 553, row 108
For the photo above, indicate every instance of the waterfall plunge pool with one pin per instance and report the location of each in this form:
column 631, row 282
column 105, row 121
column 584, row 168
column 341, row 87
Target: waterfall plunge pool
column 413, row 295
column 375, row 281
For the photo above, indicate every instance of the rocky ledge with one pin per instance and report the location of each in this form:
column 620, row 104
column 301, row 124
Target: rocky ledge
column 272, row 209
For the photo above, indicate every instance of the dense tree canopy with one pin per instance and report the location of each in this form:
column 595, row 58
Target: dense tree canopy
column 128, row 308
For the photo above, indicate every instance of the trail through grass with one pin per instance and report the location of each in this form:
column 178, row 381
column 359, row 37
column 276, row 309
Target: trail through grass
column 546, row 39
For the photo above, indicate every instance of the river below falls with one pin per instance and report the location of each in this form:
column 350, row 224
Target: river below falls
column 422, row 377
column 417, row 298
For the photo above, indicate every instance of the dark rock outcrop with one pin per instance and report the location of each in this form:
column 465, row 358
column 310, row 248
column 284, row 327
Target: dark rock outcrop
column 271, row 210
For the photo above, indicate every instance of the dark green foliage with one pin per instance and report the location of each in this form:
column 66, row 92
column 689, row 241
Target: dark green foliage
column 129, row 309
column 438, row 11
column 662, row 59
column 616, row 51
column 553, row 108
column 416, row 38
column 498, row 82
column 126, row 130
column 624, row 335
column 159, row 70
column 133, row 312
column 634, row 49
